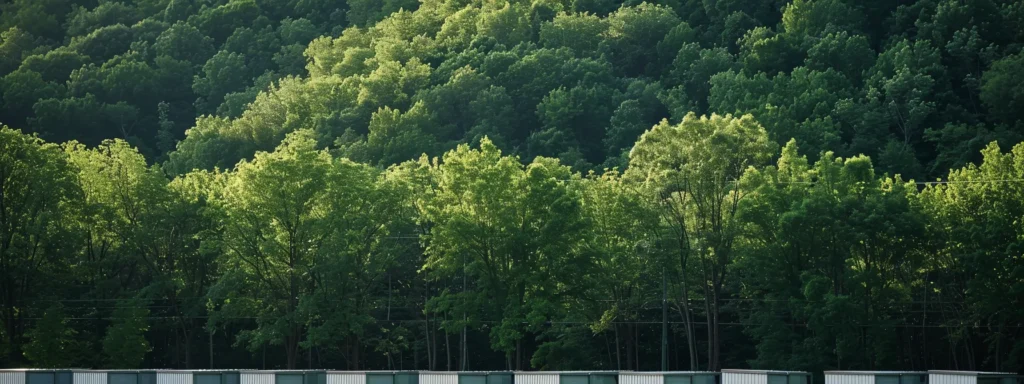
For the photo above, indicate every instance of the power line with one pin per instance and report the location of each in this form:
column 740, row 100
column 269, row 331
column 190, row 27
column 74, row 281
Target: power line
column 634, row 322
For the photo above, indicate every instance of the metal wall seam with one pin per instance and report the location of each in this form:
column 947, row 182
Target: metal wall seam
column 740, row 378
column 638, row 378
column 439, row 378
column 89, row 378
column 536, row 378
column 832, row 378
column 173, row 378
column 346, row 378
column 938, row 378
column 257, row 378
column 17, row 377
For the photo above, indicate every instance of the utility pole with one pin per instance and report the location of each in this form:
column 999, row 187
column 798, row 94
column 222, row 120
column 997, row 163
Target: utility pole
column 664, row 321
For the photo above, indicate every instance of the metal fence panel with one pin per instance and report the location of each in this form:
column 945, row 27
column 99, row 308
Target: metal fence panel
column 40, row 378
column 90, row 378
column 539, row 378
column 347, row 377
column 641, row 378
column 744, row 378
column 12, row 377
column 849, row 379
column 940, row 378
column 173, row 378
column 439, row 378
column 257, row 378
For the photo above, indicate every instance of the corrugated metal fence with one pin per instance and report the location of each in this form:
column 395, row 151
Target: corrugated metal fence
column 439, row 378
column 12, row 377
column 641, row 378
column 257, row 378
column 943, row 378
column 849, row 379
column 536, row 378
column 174, row 378
column 82, row 377
column 346, row 377
column 743, row 378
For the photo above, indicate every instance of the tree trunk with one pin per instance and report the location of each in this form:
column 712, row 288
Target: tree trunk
column 519, row 355
column 618, row 349
column 188, row 349
column 708, row 316
column 629, row 346
column 448, row 350
column 291, row 351
column 691, row 339
column 211, row 348
column 356, row 352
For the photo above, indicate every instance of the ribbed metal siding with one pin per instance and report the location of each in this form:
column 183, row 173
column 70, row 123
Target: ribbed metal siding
column 90, row 378
column 257, row 378
column 831, row 378
column 740, row 378
column 12, row 377
column 173, row 378
column 939, row 378
column 346, row 378
column 543, row 378
column 439, row 378
column 635, row 378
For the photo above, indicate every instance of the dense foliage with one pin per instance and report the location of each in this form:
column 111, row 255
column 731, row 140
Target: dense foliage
column 470, row 184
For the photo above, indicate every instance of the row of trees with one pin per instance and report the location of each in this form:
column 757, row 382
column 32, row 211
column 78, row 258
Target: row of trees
column 475, row 260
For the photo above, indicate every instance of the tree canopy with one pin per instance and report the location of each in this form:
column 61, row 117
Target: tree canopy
column 512, row 184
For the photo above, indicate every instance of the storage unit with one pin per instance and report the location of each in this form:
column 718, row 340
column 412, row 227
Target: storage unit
column 750, row 376
column 35, row 376
column 132, row 377
column 300, row 377
column 573, row 378
column 198, row 377
column 407, row 377
column 668, row 378
column 283, row 377
column 372, row 377
column 604, row 377
column 972, row 377
column 482, row 377
column 875, row 377
column 551, row 377
column 472, row 377
column 500, row 377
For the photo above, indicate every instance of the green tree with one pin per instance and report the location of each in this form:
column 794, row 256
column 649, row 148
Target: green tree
column 622, row 243
column 125, row 343
column 40, row 194
column 508, row 231
column 52, row 342
column 1001, row 88
column 184, row 42
column 693, row 169
column 813, row 254
column 975, row 260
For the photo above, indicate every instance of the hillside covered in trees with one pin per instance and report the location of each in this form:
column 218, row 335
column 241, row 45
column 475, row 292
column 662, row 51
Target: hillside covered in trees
column 486, row 184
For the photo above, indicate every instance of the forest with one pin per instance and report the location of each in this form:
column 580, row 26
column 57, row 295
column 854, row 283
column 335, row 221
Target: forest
column 512, row 184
